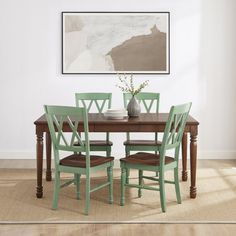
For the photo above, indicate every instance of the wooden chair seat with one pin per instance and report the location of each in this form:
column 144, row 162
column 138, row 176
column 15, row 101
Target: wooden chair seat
column 144, row 158
column 141, row 143
column 102, row 143
column 79, row 160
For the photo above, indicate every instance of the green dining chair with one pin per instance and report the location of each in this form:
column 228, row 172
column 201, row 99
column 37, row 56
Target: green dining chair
column 160, row 163
column 61, row 119
column 101, row 102
column 150, row 103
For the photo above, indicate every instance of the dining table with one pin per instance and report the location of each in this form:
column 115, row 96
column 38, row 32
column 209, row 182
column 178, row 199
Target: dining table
column 145, row 122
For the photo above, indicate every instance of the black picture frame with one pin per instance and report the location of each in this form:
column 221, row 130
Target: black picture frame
column 68, row 35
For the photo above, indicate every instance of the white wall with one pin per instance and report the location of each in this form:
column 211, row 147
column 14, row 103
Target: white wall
column 203, row 36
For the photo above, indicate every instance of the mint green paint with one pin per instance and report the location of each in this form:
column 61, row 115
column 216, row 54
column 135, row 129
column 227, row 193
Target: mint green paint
column 143, row 98
column 171, row 140
column 56, row 116
column 102, row 102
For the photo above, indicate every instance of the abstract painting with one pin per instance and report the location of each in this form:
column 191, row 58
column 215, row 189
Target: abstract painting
column 115, row 42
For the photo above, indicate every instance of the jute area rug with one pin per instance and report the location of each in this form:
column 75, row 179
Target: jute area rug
column 216, row 200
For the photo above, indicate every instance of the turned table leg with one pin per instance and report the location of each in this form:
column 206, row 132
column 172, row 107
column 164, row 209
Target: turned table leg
column 184, row 157
column 48, row 157
column 193, row 165
column 39, row 151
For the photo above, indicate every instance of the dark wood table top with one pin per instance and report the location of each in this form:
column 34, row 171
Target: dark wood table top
column 144, row 118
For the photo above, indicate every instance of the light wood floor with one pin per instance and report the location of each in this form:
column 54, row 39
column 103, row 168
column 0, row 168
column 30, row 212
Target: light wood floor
column 118, row 229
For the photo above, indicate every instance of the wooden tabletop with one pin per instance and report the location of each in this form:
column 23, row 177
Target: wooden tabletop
column 144, row 118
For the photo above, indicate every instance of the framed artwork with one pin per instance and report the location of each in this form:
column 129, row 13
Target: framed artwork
column 115, row 42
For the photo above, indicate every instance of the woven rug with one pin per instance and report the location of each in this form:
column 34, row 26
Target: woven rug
column 216, row 200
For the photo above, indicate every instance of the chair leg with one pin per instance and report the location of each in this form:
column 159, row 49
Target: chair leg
column 87, row 194
column 157, row 171
column 162, row 191
column 110, row 180
column 123, row 179
column 127, row 153
column 140, row 181
column 77, row 182
column 127, row 176
column 108, row 151
column 56, row 190
column 177, row 190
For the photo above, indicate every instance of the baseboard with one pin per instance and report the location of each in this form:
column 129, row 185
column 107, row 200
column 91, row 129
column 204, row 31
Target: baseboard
column 217, row 155
column 27, row 155
column 31, row 163
column 28, row 159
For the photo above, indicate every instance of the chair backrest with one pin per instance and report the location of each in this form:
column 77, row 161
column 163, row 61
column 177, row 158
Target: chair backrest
column 149, row 101
column 100, row 101
column 174, row 129
column 64, row 118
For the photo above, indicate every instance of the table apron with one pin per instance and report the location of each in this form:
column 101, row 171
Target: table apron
column 127, row 128
column 119, row 128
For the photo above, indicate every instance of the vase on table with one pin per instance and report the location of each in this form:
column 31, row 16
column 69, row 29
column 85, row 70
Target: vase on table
column 133, row 107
